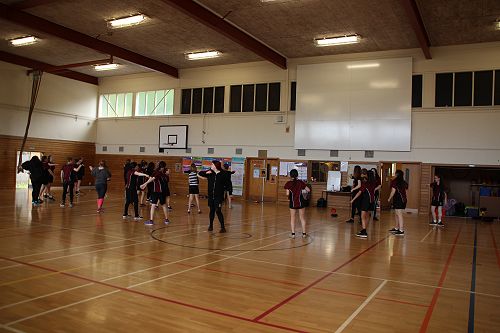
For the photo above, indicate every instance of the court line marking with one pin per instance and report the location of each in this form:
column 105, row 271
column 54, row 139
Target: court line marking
column 301, row 291
column 360, row 308
column 472, row 297
column 437, row 291
column 107, row 279
column 11, row 329
column 127, row 289
column 427, row 235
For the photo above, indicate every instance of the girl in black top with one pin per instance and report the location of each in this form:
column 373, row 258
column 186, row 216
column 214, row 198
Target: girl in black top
column 79, row 175
column 398, row 195
column 229, row 189
column 35, row 169
column 355, row 206
column 439, row 198
column 149, row 171
column 131, row 190
column 218, row 181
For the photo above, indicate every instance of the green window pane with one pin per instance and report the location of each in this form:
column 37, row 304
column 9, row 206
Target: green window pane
column 120, row 105
column 140, row 108
column 128, row 104
column 169, row 102
column 104, row 107
column 112, row 105
column 150, row 103
column 160, row 102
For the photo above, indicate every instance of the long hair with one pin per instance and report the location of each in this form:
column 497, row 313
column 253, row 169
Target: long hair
column 217, row 165
column 375, row 173
column 294, row 174
column 400, row 180
column 102, row 163
column 356, row 174
column 370, row 176
column 161, row 165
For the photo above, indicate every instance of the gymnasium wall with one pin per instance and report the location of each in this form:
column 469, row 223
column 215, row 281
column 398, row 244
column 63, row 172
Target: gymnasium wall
column 65, row 108
column 459, row 135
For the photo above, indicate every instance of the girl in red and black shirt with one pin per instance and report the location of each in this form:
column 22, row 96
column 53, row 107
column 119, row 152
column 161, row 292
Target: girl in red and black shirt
column 367, row 194
column 131, row 187
column 439, row 198
column 159, row 192
column 398, row 197
column 294, row 190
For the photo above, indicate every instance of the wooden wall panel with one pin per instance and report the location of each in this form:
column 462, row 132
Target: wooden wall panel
column 425, row 190
column 58, row 148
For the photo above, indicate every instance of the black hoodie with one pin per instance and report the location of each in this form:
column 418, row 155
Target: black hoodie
column 217, row 182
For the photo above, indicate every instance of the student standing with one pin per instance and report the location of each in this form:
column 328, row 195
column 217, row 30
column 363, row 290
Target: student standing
column 45, row 178
column 52, row 167
column 102, row 176
column 68, row 178
column 35, row 169
column 194, row 188
column 217, row 181
column 229, row 189
column 367, row 194
column 126, row 167
column 294, row 190
column 149, row 171
column 439, row 198
column 159, row 193
column 356, row 185
column 79, row 175
column 131, row 190
column 398, row 197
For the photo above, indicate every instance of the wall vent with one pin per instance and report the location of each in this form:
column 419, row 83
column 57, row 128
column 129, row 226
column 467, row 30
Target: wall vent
column 301, row 152
column 369, row 153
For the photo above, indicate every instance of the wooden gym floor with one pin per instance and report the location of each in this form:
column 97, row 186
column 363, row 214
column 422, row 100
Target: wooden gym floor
column 72, row 270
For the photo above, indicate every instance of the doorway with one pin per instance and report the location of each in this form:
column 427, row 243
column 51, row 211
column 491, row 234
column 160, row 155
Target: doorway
column 412, row 175
column 23, row 178
column 262, row 180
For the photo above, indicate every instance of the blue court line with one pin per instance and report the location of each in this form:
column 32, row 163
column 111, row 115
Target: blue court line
column 472, row 301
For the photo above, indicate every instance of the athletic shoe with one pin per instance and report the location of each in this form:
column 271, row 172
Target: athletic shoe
column 199, row 211
column 138, row 218
column 440, row 224
column 166, row 221
column 125, row 217
column 292, row 235
column 71, row 205
column 45, row 195
column 393, row 230
column 362, row 234
column 62, row 205
column 375, row 218
column 222, row 230
column 52, row 198
column 350, row 221
column 433, row 223
column 304, row 235
column 399, row 233
column 40, row 201
column 170, row 207
column 149, row 222
column 100, row 210
column 34, row 203
column 210, row 228
column 189, row 211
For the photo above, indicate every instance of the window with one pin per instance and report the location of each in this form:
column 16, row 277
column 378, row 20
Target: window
column 444, row 89
column 293, row 96
column 416, row 91
column 115, row 105
column 483, row 88
column 255, row 97
column 319, row 169
column 202, row 100
column 154, row 103
column 497, row 87
column 463, row 89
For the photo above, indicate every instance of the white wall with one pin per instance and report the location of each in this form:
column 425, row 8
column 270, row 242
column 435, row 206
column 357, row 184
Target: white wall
column 65, row 108
column 453, row 135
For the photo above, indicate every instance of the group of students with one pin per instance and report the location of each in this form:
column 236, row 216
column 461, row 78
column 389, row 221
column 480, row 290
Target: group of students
column 42, row 175
column 156, row 178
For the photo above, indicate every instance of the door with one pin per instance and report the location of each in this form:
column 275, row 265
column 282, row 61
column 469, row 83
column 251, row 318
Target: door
column 412, row 177
column 386, row 175
column 262, row 179
column 23, row 178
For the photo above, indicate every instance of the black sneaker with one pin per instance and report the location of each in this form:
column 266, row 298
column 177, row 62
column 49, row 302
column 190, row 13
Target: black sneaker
column 292, row 235
column 440, row 224
column 222, row 230
column 40, row 201
column 304, row 235
column 432, row 223
column 210, row 228
column 350, row 221
column 375, row 218
column 362, row 234
column 399, row 233
column 393, row 230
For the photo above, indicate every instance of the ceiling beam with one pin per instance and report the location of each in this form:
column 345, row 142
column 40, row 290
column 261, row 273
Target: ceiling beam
column 53, row 69
column 217, row 23
column 40, row 24
column 26, row 4
column 417, row 24
column 34, row 64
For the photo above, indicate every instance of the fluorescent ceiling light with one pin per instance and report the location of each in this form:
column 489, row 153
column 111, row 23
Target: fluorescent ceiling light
column 27, row 40
column 337, row 40
column 203, row 55
column 369, row 65
column 106, row 67
column 127, row 21
column 497, row 24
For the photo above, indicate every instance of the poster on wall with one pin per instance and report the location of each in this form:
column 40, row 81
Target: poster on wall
column 238, row 166
column 186, row 164
column 206, row 163
column 198, row 161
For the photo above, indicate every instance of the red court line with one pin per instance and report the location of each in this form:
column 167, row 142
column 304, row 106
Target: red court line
column 437, row 291
column 495, row 246
column 301, row 291
column 154, row 296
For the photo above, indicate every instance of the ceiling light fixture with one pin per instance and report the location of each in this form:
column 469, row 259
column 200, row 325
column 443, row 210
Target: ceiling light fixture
column 340, row 40
column 106, row 67
column 127, row 21
column 497, row 24
column 203, row 55
column 27, row 40
column 369, row 65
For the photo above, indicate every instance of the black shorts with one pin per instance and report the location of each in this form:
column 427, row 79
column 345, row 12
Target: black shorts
column 437, row 203
column 50, row 179
column 397, row 203
column 157, row 196
column 166, row 193
column 79, row 177
column 229, row 192
column 193, row 189
column 366, row 205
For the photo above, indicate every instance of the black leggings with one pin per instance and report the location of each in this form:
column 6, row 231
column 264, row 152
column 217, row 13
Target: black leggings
column 132, row 197
column 35, row 193
column 215, row 208
column 377, row 194
column 68, row 185
column 101, row 190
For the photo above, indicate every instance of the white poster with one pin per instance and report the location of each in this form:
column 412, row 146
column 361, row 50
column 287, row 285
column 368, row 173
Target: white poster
column 238, row 166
